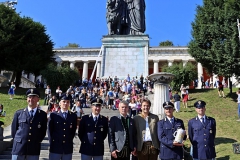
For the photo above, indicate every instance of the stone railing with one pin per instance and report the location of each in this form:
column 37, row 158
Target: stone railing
column 26, row 83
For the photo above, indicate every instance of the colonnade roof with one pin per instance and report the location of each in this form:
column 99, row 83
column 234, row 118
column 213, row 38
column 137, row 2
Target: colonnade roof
column 97, row 49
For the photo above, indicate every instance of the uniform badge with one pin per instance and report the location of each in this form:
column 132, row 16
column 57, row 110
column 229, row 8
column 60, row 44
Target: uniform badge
column 101, row 129
column 31, row 91
column 70, row 126
column 39, row 126
column 210, row 131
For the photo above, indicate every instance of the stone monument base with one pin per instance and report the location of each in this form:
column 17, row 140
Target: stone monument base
column 125, row 54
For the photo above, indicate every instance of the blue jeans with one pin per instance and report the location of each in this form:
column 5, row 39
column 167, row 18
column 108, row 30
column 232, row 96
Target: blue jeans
column 25, row 157
column 238, row 110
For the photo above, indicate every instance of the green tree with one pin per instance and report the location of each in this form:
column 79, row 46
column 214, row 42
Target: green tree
column 183, row 74
column 72, row 45
column 215, row 42
column 24, row 44
column 59, row 76
column 166, row 43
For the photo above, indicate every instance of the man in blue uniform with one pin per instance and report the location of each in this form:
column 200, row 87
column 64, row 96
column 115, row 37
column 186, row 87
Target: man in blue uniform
column 62, row 127
column 92, row 132
column 169, row 148
column 28, row 129
column 202, row 133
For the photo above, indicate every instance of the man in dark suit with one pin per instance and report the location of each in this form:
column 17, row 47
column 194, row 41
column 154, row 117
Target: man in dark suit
column 146, row 133
column 169, row 148
column 62, row 127
column 92, row 132
column 202, row 133
column 121, row 134
column 29, row 127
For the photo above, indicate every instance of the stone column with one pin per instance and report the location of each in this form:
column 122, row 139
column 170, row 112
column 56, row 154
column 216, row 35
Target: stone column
column 85, row 69
column 155, row 66
column 184, row 62
column 161, row 91
column 98, row 69
column 72, row 64
column 170, row 63
column 200, row 72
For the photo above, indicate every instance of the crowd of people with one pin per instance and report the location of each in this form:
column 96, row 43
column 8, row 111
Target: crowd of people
column 110, row 90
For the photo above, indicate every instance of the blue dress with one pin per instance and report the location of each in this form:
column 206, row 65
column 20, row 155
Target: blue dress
column 11, row 89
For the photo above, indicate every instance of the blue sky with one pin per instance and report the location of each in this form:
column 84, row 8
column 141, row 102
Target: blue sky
column 83, row 21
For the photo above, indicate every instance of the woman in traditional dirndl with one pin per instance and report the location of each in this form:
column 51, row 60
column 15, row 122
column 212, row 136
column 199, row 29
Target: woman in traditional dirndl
column 11, row 90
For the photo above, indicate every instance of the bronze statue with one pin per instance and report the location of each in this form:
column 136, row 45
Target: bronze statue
column 126, row 17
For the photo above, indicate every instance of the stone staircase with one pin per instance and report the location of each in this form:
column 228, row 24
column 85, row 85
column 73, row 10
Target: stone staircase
column 6, row 155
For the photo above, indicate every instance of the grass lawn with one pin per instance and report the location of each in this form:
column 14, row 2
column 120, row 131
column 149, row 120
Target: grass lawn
column 18, row 102
column 224, row 110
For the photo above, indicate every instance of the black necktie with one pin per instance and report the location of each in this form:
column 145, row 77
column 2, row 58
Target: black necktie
column 171, row 120
column 31, row 114
column 95, row 119
column 202, row 120
column 65, row 115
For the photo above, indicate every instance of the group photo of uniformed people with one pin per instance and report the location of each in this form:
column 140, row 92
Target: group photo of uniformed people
column 140, row 137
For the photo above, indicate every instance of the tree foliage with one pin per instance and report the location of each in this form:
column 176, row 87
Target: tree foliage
column 72, row 45
column 59, row 76
column 215, row 42
column 166, row 43
column 24, row 45
column 183, row 74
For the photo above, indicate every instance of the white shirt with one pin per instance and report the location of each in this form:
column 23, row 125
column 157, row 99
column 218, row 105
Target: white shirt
column 65, row 112
column 147, row 136
column 170, row 119
column 204, row 117
column 34, row 110
column 95, row 116
column 59, row 92
column 77, row 109
column 133, row 106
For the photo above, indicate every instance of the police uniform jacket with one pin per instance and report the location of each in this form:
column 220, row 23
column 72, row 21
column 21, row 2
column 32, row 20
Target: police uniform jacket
column 117, row 134
column 165, row 135
column 202, row 137
column 61, row 132
column 92, row 135
column 28, row 134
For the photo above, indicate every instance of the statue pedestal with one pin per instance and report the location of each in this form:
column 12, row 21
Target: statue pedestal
column 125, row 54
column 161, row 91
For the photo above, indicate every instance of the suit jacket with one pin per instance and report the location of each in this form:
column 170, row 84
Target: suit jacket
column 92, row 135
column 61, row 132
column 117, row 134
column 140, row 125
column 28, row 134
column 165, row 135
column 202, row 136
